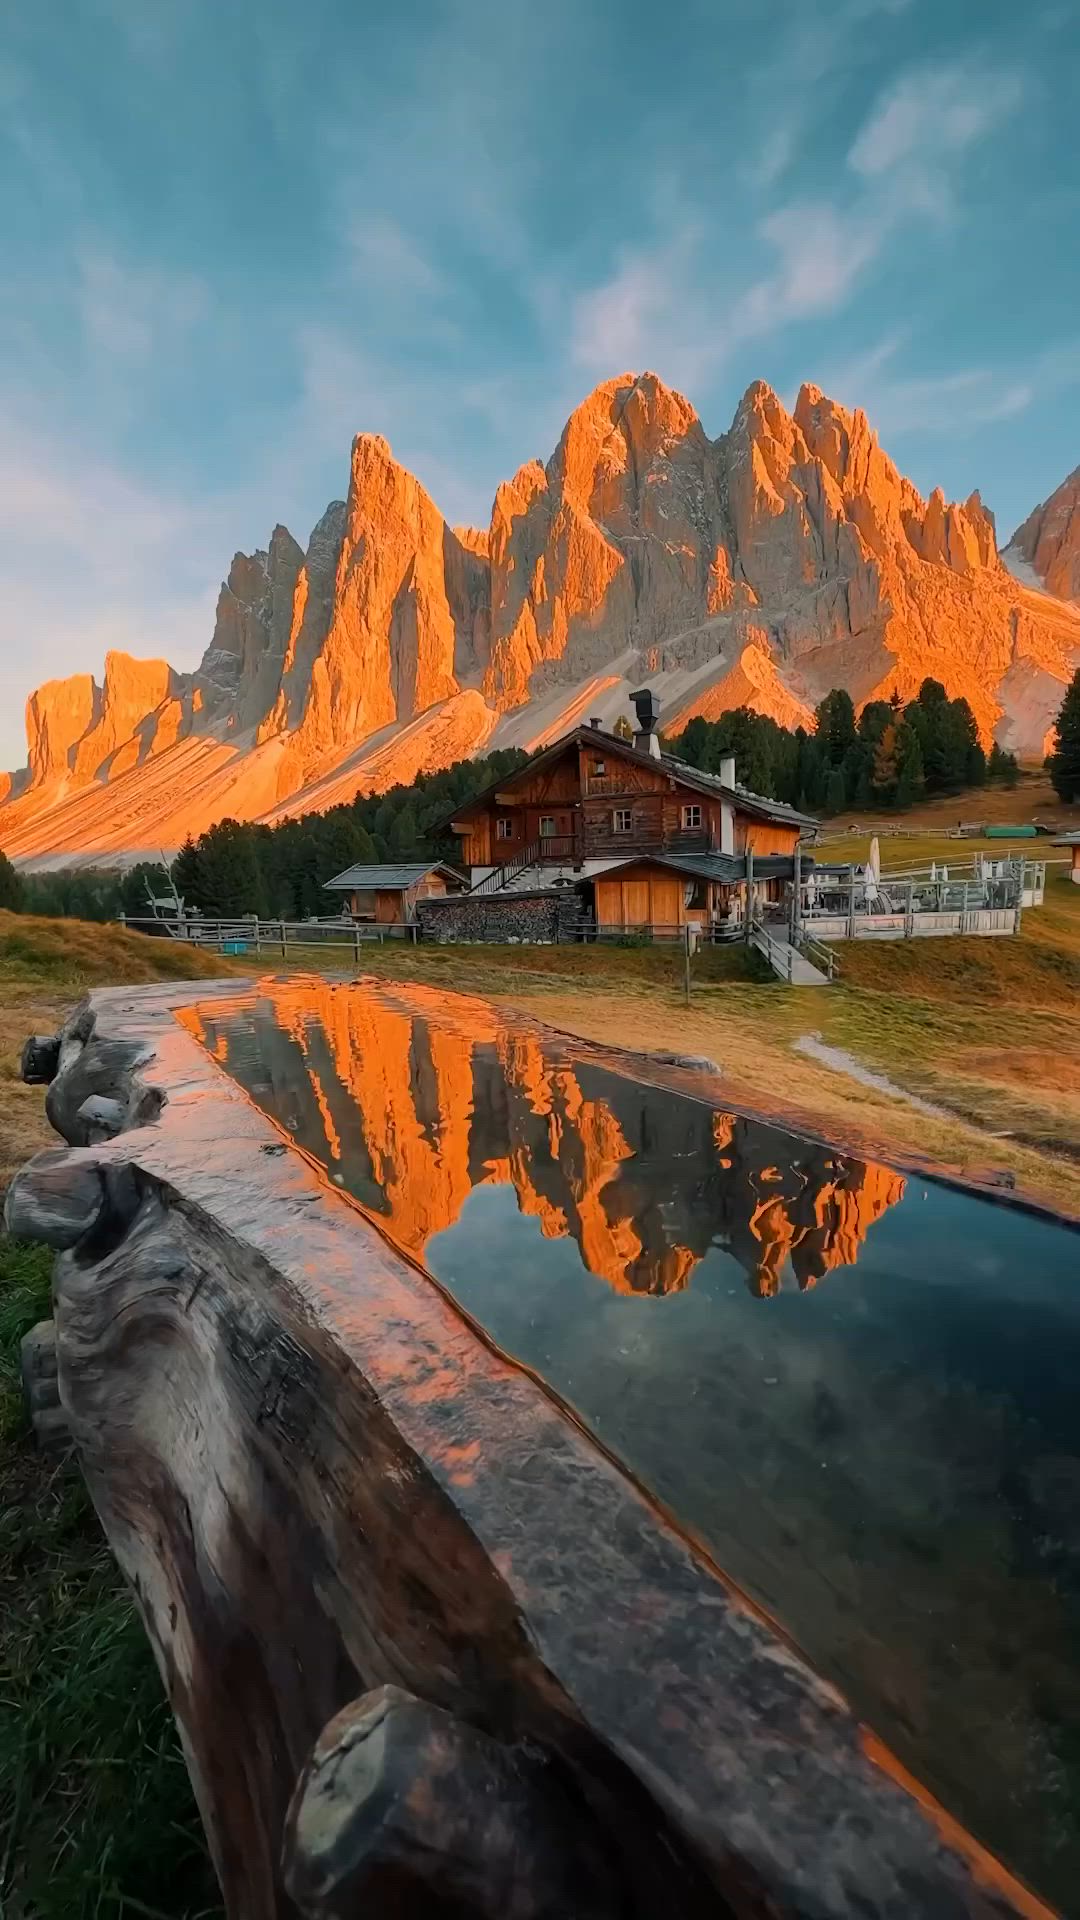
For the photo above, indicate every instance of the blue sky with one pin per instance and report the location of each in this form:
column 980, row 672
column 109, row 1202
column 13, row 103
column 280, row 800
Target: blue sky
column 234, row 235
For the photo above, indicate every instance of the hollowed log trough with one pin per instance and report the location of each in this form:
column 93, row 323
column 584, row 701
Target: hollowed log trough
column 429, row 1650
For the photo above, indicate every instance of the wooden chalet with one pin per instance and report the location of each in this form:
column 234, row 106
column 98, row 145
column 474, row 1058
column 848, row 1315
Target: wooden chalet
column 388, row 893
column 593, row 801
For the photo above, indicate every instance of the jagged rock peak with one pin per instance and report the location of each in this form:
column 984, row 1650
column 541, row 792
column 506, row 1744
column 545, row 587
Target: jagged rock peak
column 783, row 558
column 1049, row 539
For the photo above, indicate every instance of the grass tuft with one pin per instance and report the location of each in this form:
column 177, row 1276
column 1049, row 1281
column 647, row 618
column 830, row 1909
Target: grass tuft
column 97, row 1818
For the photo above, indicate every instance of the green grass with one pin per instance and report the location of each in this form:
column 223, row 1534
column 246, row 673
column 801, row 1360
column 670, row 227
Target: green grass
column 97, row 1819
column 72, row 955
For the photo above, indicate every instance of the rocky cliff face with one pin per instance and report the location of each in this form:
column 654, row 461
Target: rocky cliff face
column 1049, row 540
column 787, row 557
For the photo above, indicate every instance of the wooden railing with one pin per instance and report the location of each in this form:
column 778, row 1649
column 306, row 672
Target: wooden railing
column 281, row 937
column 509, row 869
column 821, row 954
column 780, row 954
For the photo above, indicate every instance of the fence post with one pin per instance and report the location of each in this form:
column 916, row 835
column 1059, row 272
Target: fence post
column 909, row 912
column 415, row 932
column 356, row 941
column 258, row 935
column 1020, row 895
column 284, row 942
column 686, row 964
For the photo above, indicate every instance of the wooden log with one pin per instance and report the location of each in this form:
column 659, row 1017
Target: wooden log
column 58, row 1198
column 101, row 1118
column 93, row 1068
column 404, row 1809
column 39, row 1059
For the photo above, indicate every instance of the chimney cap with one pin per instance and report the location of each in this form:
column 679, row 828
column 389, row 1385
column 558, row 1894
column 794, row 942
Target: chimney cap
column 647, row 707
column 594, row 721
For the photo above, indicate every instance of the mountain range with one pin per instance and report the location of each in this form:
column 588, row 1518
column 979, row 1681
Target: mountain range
column 763, row 568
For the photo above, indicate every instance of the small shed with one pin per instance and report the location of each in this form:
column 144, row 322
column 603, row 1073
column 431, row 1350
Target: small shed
column 1072, row 841
column 389, row 893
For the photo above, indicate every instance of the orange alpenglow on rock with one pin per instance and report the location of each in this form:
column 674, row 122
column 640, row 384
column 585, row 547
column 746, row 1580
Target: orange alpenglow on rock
column 787, row 557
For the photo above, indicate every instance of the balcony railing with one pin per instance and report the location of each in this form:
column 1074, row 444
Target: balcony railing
column 557, row 847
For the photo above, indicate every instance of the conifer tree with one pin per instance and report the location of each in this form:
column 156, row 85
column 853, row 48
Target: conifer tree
column 835, row 725
column 1064, row 762
column 909, row 765
column 885, row 772
column 835, row 791
column 11, row 886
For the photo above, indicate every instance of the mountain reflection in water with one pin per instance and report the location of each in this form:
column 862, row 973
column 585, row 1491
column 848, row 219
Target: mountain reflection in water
column 889, row 1462
column 414, row 1102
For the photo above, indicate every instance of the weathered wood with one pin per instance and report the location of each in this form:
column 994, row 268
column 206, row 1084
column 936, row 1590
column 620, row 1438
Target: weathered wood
column 58, row 1198
column 40, row 1058
column 403, row 1809
column 101, row 1118
column 321, row 1483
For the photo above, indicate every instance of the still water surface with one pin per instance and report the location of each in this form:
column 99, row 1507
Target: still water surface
column 860, row 1390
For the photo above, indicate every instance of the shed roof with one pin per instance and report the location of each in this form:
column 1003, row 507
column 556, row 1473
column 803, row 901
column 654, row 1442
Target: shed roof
column 365, row 878
column 725, row 867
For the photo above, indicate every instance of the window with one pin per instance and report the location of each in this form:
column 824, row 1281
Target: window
column 691, row 816
column 622, row 820
column 547, row 826
column 504, row 829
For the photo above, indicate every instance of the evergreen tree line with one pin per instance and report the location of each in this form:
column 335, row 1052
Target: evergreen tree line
column 280, row 872
column 891, row 756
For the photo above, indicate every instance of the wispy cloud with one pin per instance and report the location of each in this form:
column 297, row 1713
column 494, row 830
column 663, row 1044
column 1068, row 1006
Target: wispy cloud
column 94, row 559
column 668, row 304
column 955, row 401
column 931, row 113
column 129, row 313
column 381, row 250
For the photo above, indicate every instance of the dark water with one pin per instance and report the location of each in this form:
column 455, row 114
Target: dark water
column 860, row 1390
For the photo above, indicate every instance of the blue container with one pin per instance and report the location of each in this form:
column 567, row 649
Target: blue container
column 234, row 946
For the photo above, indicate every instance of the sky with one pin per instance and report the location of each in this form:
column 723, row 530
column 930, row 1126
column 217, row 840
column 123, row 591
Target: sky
column 234, row 235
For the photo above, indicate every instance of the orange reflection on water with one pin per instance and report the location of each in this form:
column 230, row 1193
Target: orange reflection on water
column 438, row 1095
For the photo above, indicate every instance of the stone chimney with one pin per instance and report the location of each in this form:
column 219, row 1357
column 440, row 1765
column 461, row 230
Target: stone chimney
column 647, row 708
column 727, row 770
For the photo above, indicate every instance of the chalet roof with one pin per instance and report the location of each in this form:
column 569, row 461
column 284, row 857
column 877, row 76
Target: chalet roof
column 726, row 867
column 756, row 804
column 389, row 875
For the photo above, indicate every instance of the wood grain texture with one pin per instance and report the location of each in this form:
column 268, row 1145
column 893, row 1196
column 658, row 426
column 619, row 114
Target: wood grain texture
column 321, row 1483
